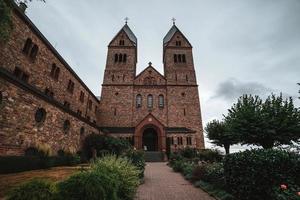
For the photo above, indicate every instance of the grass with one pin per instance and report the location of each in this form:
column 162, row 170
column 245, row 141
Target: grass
column 8, row 181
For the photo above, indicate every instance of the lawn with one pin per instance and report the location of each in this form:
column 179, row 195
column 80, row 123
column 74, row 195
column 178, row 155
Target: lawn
column 8, row 181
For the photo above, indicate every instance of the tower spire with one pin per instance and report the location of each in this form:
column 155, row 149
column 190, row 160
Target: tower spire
column 126, row 20
column 173, row 19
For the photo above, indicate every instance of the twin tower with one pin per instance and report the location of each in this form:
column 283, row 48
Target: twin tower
column 154, row 112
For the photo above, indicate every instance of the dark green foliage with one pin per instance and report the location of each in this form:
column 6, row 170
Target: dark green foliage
column 252, row 175
column 104, row 145
column 5, row 21
column 32, row 190
column 12, row 164
column 212, row 173
column 87, row 186
column 137, row 158
column 214, row 191
column 270, row 123
column 188, row 152
column 219, row 133
column 209, row 155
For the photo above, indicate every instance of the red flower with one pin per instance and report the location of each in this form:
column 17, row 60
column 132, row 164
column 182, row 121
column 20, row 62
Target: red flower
column 282, row 186
column 298, row 193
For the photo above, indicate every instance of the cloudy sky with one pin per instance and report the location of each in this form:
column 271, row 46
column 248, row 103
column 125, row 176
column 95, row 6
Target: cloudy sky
column 239, row 46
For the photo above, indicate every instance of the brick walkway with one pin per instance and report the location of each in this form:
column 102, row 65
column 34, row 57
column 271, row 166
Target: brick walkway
column 161, row 183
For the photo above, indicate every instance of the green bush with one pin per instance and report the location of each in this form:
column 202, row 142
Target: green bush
column 210, row 155
column 87, row 186
column 188, row 152
column 212, row 173
column 32, row 190
column 138, row 159
column 12, row 164
column 252, row 175
column 123, row 170
column 104, row 145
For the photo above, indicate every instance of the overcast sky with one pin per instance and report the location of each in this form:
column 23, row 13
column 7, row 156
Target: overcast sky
column 239, row 46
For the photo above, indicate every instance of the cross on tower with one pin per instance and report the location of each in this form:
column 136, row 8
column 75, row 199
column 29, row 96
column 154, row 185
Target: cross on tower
column 126, row 20
column 173, row 19
column 150, row 63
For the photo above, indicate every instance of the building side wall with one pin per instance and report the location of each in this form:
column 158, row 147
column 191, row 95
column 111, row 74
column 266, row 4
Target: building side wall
column 11, row 56
column 19, row 129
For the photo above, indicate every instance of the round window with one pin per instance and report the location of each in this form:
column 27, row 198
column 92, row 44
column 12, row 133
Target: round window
column 40, row 115
column 81, row 130
column 67, row 125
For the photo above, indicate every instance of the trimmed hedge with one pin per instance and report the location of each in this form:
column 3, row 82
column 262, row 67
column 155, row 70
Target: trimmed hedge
column 253, row 175
column 13, row 164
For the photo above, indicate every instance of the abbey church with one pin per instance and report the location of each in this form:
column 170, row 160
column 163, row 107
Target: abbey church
column 44, row 102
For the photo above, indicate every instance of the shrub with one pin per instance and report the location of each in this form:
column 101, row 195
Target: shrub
column 175, row 157
column 35, row 189
column 138, row 159
column 210, row 155
column 177, row 165
column 88, row 186
column 123, row 170
column 252, row 175
column 188, row 152
column 12, row 164
column 212, row 173
column 104, row 145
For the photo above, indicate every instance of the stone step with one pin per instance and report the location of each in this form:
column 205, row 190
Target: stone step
column 154, row 156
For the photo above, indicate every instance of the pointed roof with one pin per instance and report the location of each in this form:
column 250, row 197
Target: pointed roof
column 171, row 33
column 129, row 34
column 147, row 68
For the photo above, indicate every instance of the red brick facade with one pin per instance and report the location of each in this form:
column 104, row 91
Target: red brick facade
column 30, row 81
column 44, row 102
column 176, row 119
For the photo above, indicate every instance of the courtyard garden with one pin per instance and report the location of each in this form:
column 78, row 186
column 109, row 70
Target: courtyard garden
column 105, row 168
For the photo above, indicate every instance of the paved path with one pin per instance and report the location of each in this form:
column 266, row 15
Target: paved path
column 161, row 183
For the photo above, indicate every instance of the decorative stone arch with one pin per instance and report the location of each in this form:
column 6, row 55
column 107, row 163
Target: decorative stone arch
column 150, row 122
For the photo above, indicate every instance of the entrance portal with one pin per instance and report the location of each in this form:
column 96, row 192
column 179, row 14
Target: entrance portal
column 150, row 140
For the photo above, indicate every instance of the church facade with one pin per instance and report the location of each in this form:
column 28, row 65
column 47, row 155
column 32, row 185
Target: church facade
column 43, row 102
column 154, row 111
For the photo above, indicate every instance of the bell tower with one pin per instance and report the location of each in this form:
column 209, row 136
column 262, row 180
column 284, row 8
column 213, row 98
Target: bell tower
column 178, row 58
column 121, row 58
column 117, row 88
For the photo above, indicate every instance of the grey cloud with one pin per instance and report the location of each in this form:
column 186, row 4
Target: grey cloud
column 232, row 88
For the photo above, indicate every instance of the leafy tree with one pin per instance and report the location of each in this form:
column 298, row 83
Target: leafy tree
column 270, row 123
column 218, row 132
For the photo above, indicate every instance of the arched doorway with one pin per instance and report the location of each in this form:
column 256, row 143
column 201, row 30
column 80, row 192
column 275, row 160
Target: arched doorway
column 150, row 139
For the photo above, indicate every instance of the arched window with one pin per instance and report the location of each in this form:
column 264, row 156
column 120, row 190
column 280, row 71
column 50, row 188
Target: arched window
column 150, row 101
column 120, row 57
column 175, row 58
column 40, row 115
column 161, row 101
column 179, row 58
column 112, row 77
column 186, row 77
column 66, row 126
column 34, row 51
column 53, row 70
column 82, row 130
column 138, row 101
column 121, row 42
column 27, row 46
column 116, row 57
column 57, row 71
column 124, row 58
column 183, row 58
column 1, row 97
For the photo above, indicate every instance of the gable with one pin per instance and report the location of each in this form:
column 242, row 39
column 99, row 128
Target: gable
column 174, row 35
column 150, row 76
column 124, row 34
